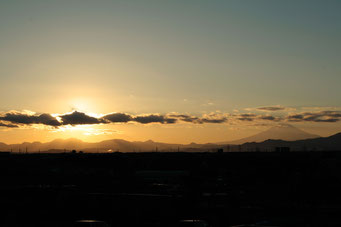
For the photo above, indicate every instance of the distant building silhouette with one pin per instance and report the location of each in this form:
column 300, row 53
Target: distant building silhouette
column 282, row 149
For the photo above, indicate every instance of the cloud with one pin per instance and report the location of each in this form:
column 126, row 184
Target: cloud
column 118, row 117
column 144, row 119
column 17, row 119
column 23, row 118
column 186, row 118
column 154, row 119
column 215, row 121
column 79, row 118
column 269, row 118
column 47, row 119
column 246, row 117
column 255, row 117
column 212, row 118
column 271, row 108
column 321, row 116
column 8, row 125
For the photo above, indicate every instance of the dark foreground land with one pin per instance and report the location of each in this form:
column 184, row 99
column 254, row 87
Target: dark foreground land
column 159, row 189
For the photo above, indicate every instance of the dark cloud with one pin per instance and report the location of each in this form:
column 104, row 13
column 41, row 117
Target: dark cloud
column 246, row 117
column 197, row 120
column 269, row 118
column 8, row 125
column 79, row 118
column 336, row 114
column 322, row 116
column 330, row 120
column 295, row 117
column 254, row 117
column 271, row 108
column 154, row 119
column 214, row 120
column 118, row 117
column 47, row 119
column 21, row 118
column 186, row 118
column 145, row 119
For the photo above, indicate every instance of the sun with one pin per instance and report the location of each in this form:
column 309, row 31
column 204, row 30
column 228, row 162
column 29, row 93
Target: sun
column 89, row 106
column 79, row 104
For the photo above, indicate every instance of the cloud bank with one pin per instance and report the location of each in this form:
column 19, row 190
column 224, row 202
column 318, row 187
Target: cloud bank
column 23, row 118
column 15, row 119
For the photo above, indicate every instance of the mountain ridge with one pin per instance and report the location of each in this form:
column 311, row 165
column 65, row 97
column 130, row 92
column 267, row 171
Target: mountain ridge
column 281, row 131
column 332, row 142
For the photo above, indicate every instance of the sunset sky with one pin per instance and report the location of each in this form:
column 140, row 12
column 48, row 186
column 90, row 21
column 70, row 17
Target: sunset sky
column 170, row 71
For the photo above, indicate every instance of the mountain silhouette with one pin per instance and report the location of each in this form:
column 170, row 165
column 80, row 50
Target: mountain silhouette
column 61, row 145
column 331, row 143
column 279, row 132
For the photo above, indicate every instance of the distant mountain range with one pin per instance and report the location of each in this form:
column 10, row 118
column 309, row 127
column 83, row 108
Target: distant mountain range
column 61, row 145
column 278, row 132
column 278, row 136
column 331, row 143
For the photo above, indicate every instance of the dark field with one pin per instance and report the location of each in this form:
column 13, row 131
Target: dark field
column 160, row 189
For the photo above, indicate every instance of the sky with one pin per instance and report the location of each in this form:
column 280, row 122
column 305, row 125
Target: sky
column 181, row 71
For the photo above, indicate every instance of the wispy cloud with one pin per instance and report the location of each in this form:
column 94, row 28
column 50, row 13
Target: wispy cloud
column 8, row 125
column 321, row 116
column 213, row 118
column 271, row 108
column 276, row 108
column 256, row 117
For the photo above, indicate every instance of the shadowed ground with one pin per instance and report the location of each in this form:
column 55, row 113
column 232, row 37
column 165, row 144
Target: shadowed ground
column 160, row 189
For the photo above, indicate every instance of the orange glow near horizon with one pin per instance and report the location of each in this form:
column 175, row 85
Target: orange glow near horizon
column 180, row 132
